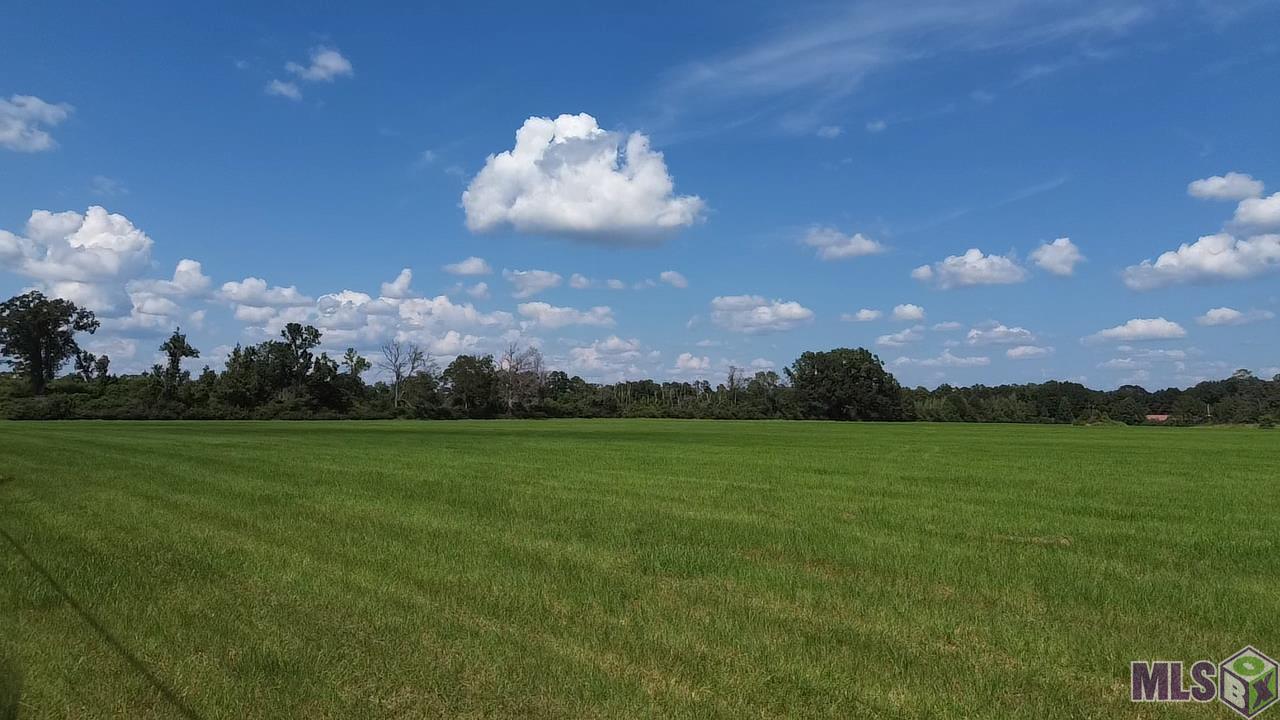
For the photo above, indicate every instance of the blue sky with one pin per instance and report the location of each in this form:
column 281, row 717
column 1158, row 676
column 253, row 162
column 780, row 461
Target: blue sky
column 785, row 166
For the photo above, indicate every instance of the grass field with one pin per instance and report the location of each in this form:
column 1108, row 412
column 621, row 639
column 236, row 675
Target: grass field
column 626, row 569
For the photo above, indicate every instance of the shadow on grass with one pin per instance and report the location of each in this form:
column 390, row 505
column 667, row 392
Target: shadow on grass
column 10, row 690
column 11, row 679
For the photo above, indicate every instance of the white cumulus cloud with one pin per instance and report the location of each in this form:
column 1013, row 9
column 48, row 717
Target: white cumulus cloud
column 437, row 323
column 1140, row 329
column 527, row 283
column 904, row 337
column 438, row 314
column 614, row 357
column 1231, row 316
column 1027, row 352
column 450, row 344
column 863, row 315
column 352, row 310
column 688, row 362
column 999, row 334
column 24, row 120
column 1232, row 186
column 255, row 292
column 753, row 314
column 908, row 312
column 549, row 316
column 400, row 288
column 971, row 268
column 188, row 280
column 1261, row 213
column 1059, row 257
column 1213, row 257
column 470, row 266
column 568, row 177
column 86, row 258
column 673, row 278
column 326, row 65
column 83, row 248
column 832, row 244
column 946, row 359
column 254, row 315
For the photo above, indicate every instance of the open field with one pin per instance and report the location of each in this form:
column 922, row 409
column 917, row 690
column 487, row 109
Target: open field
column 627, row 568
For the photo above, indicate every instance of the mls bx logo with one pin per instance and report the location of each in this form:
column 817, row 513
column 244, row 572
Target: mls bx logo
column 1244, row 682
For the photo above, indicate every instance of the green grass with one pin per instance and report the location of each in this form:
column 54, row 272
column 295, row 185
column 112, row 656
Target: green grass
column 627, row 569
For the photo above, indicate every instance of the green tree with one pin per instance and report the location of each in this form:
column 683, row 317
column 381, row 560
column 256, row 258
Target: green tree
column 1127, row 410
column 39, row 335
column 1063, row 413
column 845, row 384
column 298, row 342
column 557, row 384
column 421, row 395
column 102, row 368
column 85, row 363
column 354, row 363
column 175, row 349
column 765, row 392
column 244, row 383
column 471, row 382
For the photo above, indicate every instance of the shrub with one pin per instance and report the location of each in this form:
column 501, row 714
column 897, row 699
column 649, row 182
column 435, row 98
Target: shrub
column 47, row 407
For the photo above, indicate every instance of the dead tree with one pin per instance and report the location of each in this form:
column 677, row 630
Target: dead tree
column 521, row 374
column 402, row 361
column 734, row 383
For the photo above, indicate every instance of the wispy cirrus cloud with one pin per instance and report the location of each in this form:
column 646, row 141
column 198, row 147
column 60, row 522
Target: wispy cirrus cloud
column 809, row 65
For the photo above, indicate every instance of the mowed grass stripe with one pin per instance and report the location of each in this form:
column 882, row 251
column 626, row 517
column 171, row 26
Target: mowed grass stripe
column 632, row 568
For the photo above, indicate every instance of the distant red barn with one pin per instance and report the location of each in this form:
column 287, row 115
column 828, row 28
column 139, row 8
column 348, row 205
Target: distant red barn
column 1157, row 418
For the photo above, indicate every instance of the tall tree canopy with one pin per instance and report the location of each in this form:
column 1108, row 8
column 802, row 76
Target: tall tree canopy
column 297, row 341
column 38, row 335
column 175, row 349
column 471, row 381
column 845, row 384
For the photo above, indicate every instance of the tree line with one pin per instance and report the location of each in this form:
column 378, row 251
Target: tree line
column 288, row 378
